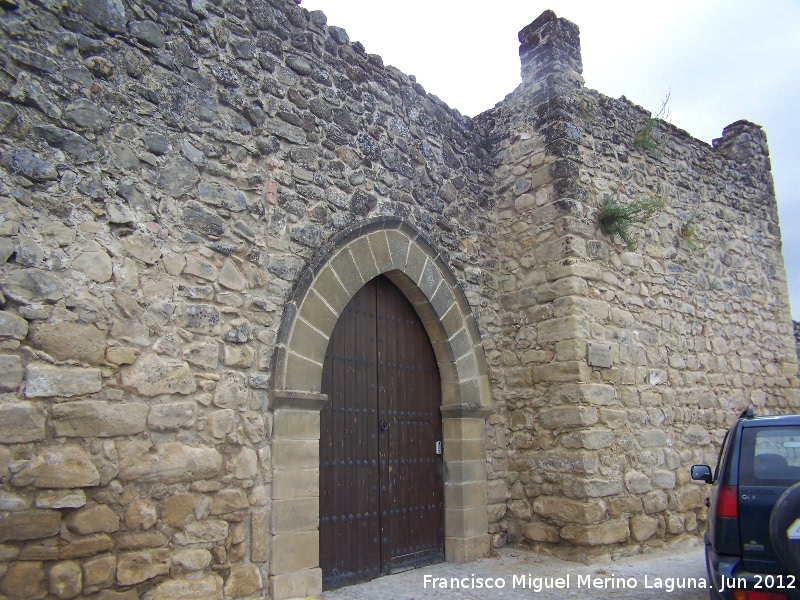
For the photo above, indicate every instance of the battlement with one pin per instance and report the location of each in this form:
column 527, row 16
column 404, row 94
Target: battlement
column 550, row 52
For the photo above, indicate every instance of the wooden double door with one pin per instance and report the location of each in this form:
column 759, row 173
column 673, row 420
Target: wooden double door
column 381, row 468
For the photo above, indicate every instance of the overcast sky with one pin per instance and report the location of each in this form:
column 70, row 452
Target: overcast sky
column 720, row 60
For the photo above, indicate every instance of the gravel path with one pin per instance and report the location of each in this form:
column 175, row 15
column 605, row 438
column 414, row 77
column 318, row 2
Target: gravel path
column 626, row 578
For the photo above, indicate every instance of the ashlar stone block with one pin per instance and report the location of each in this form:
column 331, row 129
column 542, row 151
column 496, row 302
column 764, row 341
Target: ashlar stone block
column 59, row 467
column 295, row 552
column 308, row 342
column 643, row 527
column 228, row 500
column 316, row 313
column 191, row 559
column 565, row 510
column 97, row 518
column 568, row 416
column 469, row 549
column 298, row 584
column 98, row 573
column 398, row 248
column 207, row 587
column 328, row 286
column 29, row 525
column 467, row 495
column 153, row 375
column 362, row 256
column 637, row 482
column 688, row 498
column 347, row 272
column 608, row 532
column 200, row 532
column 136, row 567
column 295, row 454
column 243, row 580
column 541, row 532
column 302, row 374
column 295, row 515
column 98, row 419
column 466, row 522
column 60, row 499
column 87, row 546
column 259, row 532
column 168, row 462
column 296, row 424
column 43, row 381
column 379, row 245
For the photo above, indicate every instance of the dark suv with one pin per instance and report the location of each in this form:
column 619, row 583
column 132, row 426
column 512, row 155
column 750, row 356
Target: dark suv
column 753, row 530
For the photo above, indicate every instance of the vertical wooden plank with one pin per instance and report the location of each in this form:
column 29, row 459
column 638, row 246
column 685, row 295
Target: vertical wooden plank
column 406, row 497
column 368, row 435
column 385, row 386
column 342, row 547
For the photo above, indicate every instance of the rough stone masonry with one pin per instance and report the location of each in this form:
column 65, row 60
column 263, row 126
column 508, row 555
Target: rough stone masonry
column 190, row 193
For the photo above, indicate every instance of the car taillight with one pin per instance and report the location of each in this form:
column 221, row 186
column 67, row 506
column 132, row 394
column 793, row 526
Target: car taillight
column 728, row 502
column 754, row 595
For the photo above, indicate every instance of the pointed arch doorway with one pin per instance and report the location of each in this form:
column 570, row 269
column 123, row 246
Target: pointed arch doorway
column 381, row 467
column 391, row 247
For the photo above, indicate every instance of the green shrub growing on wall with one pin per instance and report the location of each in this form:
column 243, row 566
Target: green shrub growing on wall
column 617, row 219
column 647, row 138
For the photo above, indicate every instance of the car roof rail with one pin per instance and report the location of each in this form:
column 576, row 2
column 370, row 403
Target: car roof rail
column 748, row 413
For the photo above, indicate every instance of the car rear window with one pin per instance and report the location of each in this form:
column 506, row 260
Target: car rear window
column 770, row 456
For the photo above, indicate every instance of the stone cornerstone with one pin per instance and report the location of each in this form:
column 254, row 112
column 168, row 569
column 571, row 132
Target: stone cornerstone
column 191, row 192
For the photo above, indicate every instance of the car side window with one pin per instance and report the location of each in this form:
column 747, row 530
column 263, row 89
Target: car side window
column 770, row 456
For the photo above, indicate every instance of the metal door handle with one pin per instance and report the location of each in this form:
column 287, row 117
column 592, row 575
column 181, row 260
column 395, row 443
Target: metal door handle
column 384, row 425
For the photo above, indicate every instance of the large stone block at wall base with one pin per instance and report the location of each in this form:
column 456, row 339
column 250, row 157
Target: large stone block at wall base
column 208, row 587
column 300, row 584
column 602, row 534
column 464, row 550
column 294, row 552
column 466, row 522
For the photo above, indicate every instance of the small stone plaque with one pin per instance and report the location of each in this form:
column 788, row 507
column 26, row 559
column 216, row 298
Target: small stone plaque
column 600, row 355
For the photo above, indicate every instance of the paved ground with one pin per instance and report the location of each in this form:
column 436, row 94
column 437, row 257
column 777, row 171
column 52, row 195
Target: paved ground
column 630, row 578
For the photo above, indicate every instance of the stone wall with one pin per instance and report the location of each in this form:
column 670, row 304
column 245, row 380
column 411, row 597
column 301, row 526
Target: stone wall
column 191, row 192
column 695, row 312
column 168, row 172
column 797, row 338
